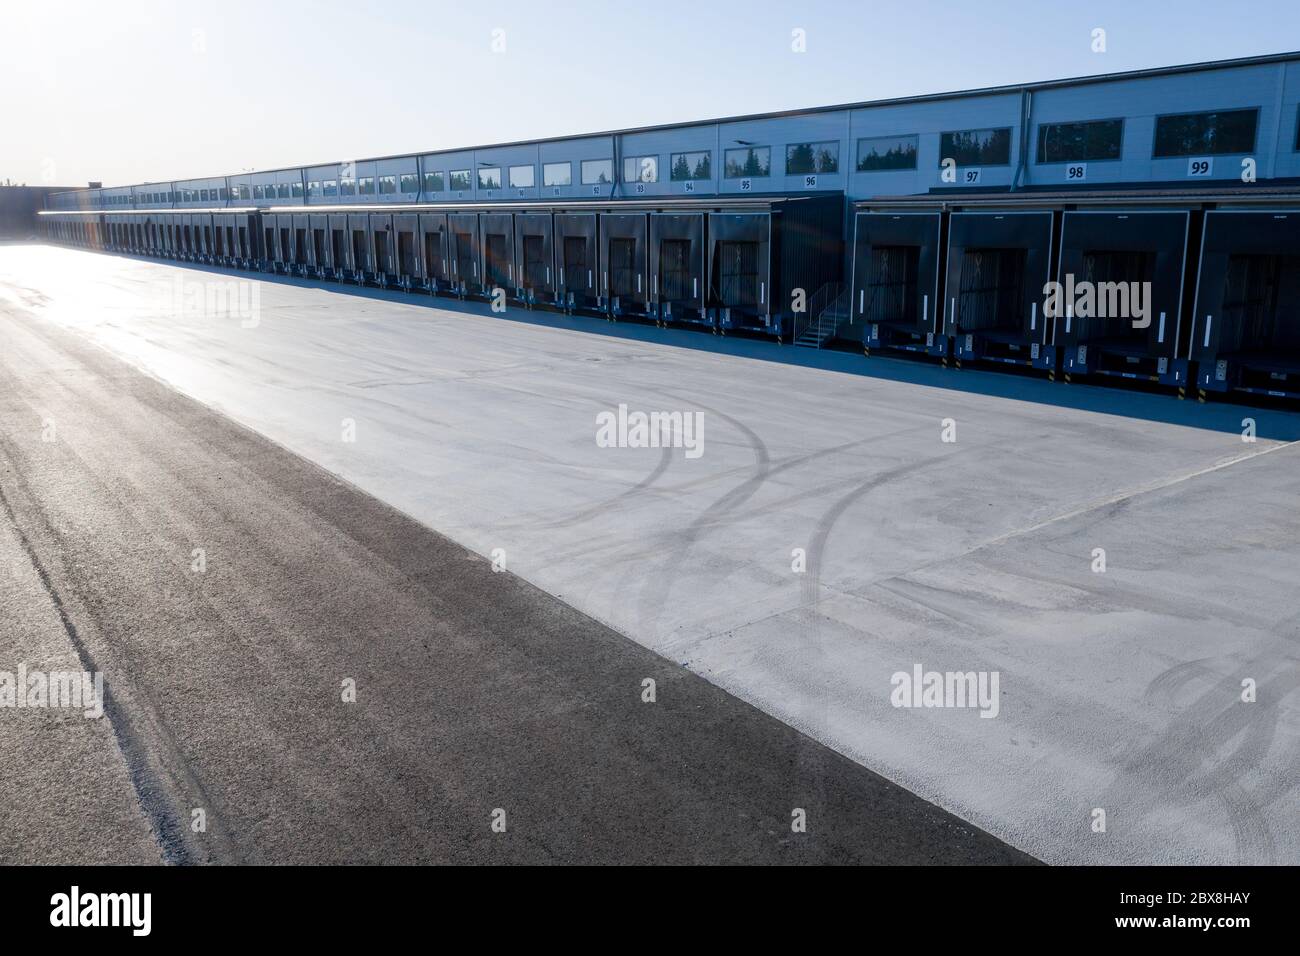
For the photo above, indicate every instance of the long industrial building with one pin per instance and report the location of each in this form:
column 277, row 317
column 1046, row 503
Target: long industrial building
column 931, row 224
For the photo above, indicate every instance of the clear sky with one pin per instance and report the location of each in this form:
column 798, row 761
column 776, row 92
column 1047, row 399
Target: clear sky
column 168, row 89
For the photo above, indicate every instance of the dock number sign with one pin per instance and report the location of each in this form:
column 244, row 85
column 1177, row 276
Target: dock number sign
column 1200, row 166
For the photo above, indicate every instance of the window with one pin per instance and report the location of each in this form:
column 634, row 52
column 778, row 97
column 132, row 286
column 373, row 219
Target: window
column 557, row 174
column 330, row 187
column 347, row 187
column 688, row 166
column 597, row 171
column 886, row 152
column 522, row 177
column 410, row 183
column 802, row 159
column 459, row 179
column 977, row 147
column 1079, row 142
column 641, row 169
column 282, row 191
column 1205, row 134
column 433, row 182
column 489, row 177
column 225, row 194
column 295, row 189
column 387, row 185
column 747, row 162
column 313, row 189
column 366, row 185
column 203, row 195
column 1297, row 130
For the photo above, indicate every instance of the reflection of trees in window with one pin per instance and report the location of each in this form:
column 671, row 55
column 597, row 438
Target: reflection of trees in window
column 459, row 179
column 886, row 152
column 1077, row 142
column 976, row 147
column 1199, row 134
column 692, row 166
column 749, row 162
column 804, row 158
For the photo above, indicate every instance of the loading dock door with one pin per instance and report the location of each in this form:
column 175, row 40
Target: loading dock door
column 623, row 272
column 302, row 246
column 466, row 266
column 498, row 249
column 358, row 244
column 433, row 243
column 382, row 242
column 575, row 270
column 678, row 275
column 406, row 229
column 624, row 265
column 359, row 258
column 738, row 274
column 537, row 266
column 533, row 255
column 406, row 256
column 575, row 253
column 463, row 232
column 1246, row 329
column 896, row 272
column 496, row 255
column 740, row 266
column 998, row 265
column 339, row 247
column 992, row 289
column 675, row 270
column 1123, row 248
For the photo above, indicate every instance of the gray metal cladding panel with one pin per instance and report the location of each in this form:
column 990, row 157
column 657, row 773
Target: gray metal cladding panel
column 888, row 246
column 1129, row 247
column 1237, row 248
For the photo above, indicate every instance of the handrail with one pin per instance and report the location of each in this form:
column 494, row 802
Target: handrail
column 824, row 314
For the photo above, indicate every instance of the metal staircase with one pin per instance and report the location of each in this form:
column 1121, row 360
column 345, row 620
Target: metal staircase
column 827, row 311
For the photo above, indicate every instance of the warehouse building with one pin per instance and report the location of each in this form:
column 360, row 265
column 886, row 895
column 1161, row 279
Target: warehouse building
column 928, row 224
